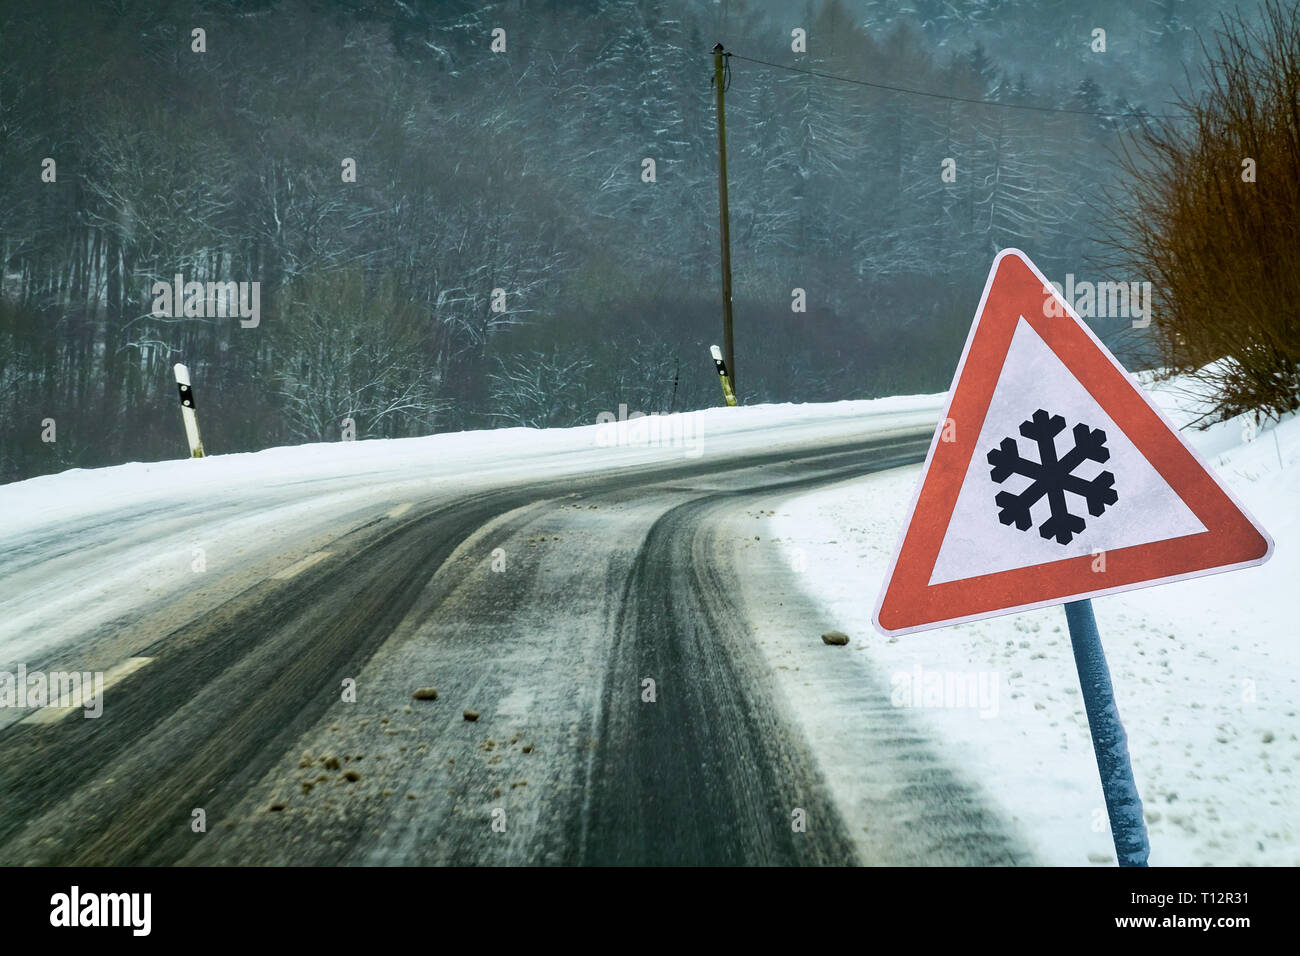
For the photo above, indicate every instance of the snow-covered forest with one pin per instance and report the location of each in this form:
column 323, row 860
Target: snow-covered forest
column 379, row 170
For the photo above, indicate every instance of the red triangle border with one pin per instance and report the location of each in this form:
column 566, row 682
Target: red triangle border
column 1232, row 539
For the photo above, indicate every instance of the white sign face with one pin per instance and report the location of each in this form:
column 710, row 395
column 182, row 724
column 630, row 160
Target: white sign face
column 1145, row 509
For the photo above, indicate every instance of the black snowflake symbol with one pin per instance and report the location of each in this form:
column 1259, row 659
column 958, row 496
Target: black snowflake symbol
column 1052, row 476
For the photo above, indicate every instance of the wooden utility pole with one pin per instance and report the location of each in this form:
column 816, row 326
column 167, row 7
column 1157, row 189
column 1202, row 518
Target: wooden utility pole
column 719, row 55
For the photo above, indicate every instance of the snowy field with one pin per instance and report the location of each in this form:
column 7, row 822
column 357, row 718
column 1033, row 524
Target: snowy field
column 1205, row 672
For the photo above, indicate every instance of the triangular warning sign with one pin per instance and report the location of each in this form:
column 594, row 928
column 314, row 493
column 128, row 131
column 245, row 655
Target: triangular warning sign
column 1052, row 476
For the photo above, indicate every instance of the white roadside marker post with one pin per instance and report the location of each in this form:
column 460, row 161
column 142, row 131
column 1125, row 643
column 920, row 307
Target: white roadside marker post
column 187, row 410
column 728, row 392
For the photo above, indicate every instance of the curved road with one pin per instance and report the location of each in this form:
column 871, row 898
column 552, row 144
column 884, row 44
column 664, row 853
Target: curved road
column 604, row 629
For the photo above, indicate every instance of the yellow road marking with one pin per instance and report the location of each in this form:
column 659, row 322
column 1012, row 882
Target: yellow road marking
column 52, row 713
column 303, row 565
column 400, row 510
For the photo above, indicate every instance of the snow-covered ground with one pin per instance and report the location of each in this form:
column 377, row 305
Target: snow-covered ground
column 500, row 454
column 1206, row 671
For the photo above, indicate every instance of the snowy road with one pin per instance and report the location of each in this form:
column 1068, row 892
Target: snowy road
column 543, row 605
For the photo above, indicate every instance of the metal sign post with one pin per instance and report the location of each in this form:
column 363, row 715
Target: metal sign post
column 1109, row 742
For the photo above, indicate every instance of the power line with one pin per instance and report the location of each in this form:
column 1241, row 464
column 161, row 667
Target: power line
column 945, row 96
column 976, row 101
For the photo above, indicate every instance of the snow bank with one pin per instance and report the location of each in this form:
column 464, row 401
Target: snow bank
column 1206, row 672
column 505, row 454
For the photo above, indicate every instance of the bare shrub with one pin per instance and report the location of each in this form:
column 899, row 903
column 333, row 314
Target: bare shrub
column 1223, row 252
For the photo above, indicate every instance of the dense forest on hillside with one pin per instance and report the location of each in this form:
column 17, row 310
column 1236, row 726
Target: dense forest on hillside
column 524, row 171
